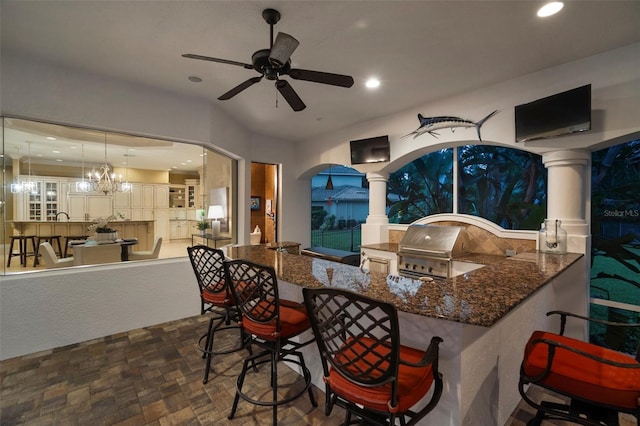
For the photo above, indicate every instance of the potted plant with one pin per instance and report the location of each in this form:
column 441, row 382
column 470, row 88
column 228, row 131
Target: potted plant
column 203, row 225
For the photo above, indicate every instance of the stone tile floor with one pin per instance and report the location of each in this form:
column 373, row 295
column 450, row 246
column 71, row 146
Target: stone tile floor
column 150, row 376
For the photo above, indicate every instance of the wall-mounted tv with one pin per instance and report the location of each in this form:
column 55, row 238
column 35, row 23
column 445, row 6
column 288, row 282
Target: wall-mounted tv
column 560, row 114
column 370, row 150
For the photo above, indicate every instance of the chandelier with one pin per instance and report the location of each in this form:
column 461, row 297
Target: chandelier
column 105, row 180
column 25, row 186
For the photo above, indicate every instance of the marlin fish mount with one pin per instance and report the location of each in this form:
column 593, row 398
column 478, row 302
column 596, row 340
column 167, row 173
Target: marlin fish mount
column 429, row 124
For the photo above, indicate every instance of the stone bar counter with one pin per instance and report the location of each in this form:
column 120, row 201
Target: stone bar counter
column 484, row 316
column 143, row 230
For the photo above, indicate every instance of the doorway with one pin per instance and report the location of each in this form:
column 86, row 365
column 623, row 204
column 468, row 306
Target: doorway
column 264, row 201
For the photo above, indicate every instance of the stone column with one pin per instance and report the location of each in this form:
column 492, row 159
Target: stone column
column 376, row 228
column 567, row 191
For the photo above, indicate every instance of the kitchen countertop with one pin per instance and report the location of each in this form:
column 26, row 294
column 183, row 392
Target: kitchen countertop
column 481, row 297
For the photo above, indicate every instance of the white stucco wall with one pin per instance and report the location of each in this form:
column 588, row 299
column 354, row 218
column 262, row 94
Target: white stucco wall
column 44, row 91
column 40, row 311
column 615, row 102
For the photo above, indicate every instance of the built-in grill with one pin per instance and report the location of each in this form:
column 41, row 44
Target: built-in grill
column 428, row 250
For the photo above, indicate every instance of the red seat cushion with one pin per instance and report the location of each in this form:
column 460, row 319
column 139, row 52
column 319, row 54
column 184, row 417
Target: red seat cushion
column 413, row 382
column 293, row 320
column 219, row 299
column 581, row 376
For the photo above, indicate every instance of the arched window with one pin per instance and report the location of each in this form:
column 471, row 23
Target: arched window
column 504, row 185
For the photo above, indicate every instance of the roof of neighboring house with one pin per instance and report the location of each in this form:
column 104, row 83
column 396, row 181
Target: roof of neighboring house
column 340, row 170
column 340, row 193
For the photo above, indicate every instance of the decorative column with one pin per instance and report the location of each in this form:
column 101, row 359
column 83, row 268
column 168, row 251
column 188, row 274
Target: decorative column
column 376, row 228
column 567, row 191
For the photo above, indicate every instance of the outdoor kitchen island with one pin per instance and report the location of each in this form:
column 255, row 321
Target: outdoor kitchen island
column 485, row 318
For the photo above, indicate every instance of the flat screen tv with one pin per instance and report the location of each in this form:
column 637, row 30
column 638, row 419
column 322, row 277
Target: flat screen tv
column 560, row 114
column 370, row 150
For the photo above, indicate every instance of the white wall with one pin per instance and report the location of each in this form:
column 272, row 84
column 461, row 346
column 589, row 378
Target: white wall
column 40, row 311
column 615, row 100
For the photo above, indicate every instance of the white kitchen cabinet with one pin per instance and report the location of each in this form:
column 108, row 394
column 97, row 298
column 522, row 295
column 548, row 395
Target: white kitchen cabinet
column 161, row 217
column 177, row 196
column 40, row 204
column 161, row 197
column 179, row 229
column 89, row 207
column 121, row 201
column 194, row 197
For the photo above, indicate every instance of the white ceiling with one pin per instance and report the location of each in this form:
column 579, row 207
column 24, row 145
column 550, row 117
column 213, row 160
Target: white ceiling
column 421, row 50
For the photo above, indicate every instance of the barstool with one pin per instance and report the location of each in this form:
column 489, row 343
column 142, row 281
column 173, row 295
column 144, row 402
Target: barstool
column 72, row 238
column 50, row 239
column 22, row 247
column 273, row 325
column 216, row 299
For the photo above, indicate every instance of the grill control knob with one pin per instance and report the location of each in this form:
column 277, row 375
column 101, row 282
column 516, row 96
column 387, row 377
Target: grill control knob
column 430, row 269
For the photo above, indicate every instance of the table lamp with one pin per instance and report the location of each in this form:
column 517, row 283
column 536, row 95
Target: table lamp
column 215, row 213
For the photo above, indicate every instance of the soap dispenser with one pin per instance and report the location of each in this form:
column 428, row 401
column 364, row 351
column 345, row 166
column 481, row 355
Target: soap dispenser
column 552, row 237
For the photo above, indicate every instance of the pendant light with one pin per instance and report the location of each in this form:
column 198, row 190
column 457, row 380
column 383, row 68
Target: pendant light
column 329, row 185
column 83, row 185
column 126, row 186
column 27, row 186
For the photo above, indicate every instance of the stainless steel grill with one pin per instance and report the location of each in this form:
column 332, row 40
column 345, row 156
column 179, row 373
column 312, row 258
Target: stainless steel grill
column 428, row 250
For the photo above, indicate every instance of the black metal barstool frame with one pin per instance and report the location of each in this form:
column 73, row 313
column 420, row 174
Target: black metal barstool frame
column 215, row 298
column 577, row 410
column 255, row 290
column 358, row 338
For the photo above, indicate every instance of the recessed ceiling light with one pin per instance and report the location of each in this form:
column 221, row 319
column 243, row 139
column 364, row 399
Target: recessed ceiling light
column 56, row 152
column 195, row 79
column 550, row 9
column 51, row 138
column 372, row 83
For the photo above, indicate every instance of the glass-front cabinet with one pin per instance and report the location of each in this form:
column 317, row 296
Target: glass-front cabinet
column 41, row 203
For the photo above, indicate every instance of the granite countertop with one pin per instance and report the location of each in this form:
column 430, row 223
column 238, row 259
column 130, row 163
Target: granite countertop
column 481, row 297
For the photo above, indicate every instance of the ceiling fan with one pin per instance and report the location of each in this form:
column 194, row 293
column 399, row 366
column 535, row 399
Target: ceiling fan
column 274, row 63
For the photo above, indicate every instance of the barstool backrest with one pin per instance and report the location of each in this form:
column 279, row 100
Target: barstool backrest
column 208, row 267
column 347, row 322
column 255, row 290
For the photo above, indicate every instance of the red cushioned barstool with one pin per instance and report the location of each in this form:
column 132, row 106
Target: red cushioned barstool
column 272, row 323
column 366, row 369
column 599, row 382
column 216, row 299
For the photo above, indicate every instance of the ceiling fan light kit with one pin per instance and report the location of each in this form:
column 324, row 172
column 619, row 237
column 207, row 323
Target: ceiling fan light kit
column 274, row 63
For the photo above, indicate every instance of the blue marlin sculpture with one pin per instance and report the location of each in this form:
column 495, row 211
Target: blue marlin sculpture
column 429, row 124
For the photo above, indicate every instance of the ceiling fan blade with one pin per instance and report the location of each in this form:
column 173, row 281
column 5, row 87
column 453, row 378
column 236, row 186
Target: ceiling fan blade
column 322, row 77
column 290, row 95
column 239, row 88
column 282, row 49
column 222, row 61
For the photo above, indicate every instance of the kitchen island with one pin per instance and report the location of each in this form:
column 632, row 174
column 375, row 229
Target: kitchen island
column 485, row 318
column 143, row 230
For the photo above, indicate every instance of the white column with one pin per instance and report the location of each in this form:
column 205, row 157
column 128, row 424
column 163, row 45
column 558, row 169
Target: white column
column 567, row 193
column 376, row 228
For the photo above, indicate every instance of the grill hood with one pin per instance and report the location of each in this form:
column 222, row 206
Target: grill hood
column 434, row 241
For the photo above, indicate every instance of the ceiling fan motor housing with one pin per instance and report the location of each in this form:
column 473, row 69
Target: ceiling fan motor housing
column 262, row 65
